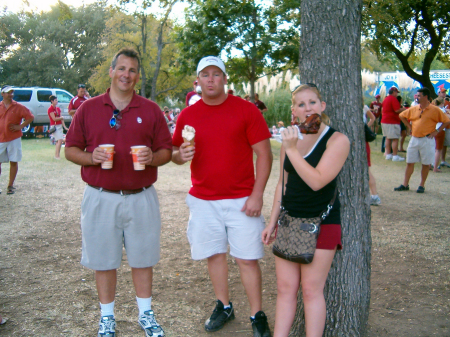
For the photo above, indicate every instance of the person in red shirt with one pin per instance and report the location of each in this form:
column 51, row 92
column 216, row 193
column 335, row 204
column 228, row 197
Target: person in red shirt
column 120, row 206
column 390, row 124
column 377, row 107
column 79, row 99
column 191, row 93
column 54, row 114
column 11, row 125
column 226, row 198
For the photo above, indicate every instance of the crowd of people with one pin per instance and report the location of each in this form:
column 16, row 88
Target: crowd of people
column 226, row 197
column 428, row 123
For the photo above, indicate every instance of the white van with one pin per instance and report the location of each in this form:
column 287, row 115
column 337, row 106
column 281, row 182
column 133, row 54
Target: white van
column 37, row 100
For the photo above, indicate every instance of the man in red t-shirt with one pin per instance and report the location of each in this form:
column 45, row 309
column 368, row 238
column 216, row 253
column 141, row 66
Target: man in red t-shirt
column 11, row 125
column 226, row 198
column 390, row 124
column 79, row 99
column 376, row 106
column 120, row 206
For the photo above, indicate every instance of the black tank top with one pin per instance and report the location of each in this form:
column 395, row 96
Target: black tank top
column 299, row 199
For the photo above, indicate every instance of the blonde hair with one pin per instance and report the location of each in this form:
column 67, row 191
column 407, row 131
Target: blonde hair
column 314, row 89
column 437, row 101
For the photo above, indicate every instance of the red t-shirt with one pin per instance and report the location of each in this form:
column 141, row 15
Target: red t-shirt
column 390, row 105
column 76, row 102
column 222, row 167
column 142, row 123
column 379, row 105
column 57, row 112
column 12, row 115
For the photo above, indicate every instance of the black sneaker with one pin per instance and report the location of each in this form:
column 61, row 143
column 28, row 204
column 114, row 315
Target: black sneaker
column 420, row 189
column 402, row 188
column 260, row 325
column 219, row 317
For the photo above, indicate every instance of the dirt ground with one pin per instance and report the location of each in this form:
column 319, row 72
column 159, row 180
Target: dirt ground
column 44, row 291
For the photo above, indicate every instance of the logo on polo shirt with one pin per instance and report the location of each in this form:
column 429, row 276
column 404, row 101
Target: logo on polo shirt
column 139, row 120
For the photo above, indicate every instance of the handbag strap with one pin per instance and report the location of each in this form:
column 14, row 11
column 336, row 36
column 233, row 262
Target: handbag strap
column 325, row 212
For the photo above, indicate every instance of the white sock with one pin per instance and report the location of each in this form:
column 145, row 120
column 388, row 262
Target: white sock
column 144, row 304
column 107, row 309
column 227, row 306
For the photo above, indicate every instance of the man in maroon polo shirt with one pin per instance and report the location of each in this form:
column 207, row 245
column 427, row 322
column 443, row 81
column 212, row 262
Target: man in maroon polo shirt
column 79, row 99
column 120, row 205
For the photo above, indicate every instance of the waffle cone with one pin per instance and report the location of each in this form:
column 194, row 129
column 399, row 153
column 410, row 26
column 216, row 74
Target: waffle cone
column 192, row 141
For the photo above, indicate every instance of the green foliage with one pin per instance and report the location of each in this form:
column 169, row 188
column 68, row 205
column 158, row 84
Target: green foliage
column 58, row 48
column 283, row 20
column 278, row 104
column 124, row 30
column 229, row 26
column 409, row 29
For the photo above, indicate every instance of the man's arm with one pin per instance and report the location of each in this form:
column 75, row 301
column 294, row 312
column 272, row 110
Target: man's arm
column 183, row 154
column 158, row 158
column 264, row 159
column 83, row 158
column 406, row 123
column 435, row 132
column 18, row 127
column 72, row 112
column 400, row 110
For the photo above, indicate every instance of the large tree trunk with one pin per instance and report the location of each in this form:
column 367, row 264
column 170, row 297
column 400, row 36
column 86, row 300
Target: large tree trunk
column 330, row 57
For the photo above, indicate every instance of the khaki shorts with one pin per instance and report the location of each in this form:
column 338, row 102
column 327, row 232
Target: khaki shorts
column 391, row 131
column 420, row 150
column 447, row 137
column 110, row 221
column 11, row 151
column 59, row 133
column 215, row 224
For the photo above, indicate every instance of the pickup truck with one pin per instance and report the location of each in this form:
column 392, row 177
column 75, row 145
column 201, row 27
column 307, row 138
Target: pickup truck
column 37, row 100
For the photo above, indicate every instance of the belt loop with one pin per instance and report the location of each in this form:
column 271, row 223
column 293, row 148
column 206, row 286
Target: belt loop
column 101, row 189
column 121, row 193
column 143, row 188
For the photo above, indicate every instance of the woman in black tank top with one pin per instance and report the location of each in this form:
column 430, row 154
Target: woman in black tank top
column 311, row 167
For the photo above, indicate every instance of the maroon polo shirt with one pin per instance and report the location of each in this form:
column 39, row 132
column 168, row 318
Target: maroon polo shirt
column 76, row 102
column 142, row 123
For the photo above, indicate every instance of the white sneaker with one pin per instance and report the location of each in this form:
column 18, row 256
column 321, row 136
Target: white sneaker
column 148, row 323
column 388, row 156
column 397, row 158
column 375, row 200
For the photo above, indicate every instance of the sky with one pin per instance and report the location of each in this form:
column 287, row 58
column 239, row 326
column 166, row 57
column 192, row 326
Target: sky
column 44, row 5
column 39, row 5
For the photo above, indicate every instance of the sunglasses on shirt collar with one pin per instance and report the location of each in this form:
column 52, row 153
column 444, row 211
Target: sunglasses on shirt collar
column 114, row 122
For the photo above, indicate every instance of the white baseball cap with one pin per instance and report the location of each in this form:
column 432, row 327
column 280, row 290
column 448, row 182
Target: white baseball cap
column 7, row 88
column 210, row 61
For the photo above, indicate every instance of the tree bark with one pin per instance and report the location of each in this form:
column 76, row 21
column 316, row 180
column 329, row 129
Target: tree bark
column 330, row 57
column 143, row 25
column 160, row 44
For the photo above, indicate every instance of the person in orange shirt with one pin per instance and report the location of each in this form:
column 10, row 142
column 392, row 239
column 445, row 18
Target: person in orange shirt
column 11, row 116
column 424, row 117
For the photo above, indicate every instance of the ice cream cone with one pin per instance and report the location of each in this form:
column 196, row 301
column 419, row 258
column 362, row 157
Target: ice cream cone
column 192, row 141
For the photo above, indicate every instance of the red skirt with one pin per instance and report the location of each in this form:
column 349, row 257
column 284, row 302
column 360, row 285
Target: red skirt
column 329, row 237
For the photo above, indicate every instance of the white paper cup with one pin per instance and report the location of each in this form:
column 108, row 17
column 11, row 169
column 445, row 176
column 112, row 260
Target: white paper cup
column 108, row 164
column 134, row 152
